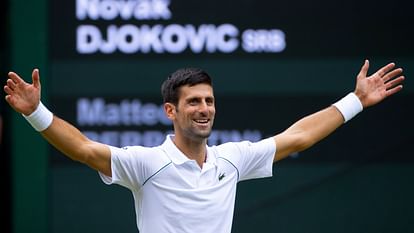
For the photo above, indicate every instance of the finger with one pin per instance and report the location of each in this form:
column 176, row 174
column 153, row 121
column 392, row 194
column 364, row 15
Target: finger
column 394, row 90
column 8, row 90
column 364, row 70
column 392, row 74
column 36, row 78
column 394, row 82
column 11, row 84
column 385, row 69
column 8, row 98
column 16, row 78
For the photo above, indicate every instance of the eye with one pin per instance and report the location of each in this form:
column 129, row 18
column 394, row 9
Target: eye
column 193, row 101
column 210, row 101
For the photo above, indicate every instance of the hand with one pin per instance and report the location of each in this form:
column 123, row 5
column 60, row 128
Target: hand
column 373, row 89
column 23, row 97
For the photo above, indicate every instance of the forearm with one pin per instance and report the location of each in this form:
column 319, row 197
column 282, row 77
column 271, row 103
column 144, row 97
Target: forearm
column 315, row 127
column 70, row 141
column 67, row 139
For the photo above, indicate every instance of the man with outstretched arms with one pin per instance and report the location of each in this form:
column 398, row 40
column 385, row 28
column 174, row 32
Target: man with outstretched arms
column 184, row 185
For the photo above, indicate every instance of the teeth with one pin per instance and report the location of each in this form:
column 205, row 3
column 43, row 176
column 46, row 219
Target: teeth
column 201, row 121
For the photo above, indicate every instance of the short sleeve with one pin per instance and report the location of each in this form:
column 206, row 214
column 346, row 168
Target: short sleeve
column 252, row 159
column 131, row 166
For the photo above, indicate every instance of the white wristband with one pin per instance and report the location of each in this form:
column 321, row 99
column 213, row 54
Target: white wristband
column 349, row 106
column 41, row 118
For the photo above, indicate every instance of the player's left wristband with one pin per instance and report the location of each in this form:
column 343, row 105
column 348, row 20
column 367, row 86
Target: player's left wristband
column 41, row 118
column 349, row 106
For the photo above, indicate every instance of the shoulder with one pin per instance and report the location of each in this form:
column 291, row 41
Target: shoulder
column 234, row 146
column 231, row 149
column 147, row 156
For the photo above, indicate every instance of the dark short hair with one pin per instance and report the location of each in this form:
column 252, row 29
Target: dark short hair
column 185, row 76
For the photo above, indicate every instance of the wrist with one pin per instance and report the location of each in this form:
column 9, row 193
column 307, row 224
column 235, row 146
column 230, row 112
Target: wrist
column 349, row 106
column 41, row 118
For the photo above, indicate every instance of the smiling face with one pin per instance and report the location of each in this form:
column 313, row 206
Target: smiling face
column 193, row 116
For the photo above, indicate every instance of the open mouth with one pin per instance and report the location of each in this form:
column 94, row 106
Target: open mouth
column 202, row 121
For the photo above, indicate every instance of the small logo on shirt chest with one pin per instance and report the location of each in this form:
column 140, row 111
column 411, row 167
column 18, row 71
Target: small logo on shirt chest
column 221, row 176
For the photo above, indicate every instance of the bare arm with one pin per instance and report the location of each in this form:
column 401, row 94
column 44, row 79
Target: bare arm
column 71, row 142
column 313, row 128
column 25, row 98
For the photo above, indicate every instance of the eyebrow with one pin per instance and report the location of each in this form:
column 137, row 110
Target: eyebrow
column 192, row 98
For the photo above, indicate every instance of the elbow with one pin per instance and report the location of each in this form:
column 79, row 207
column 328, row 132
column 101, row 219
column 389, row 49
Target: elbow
column 290, row 142
column 84, row 154
column 303, row 142
column 301, row 145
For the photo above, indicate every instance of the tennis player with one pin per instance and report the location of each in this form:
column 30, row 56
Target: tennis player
column 184, row 185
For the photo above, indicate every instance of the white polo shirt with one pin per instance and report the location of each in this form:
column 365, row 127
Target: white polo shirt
column 173, row 194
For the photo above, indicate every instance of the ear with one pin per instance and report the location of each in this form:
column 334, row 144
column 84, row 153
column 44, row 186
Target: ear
column 170, row 110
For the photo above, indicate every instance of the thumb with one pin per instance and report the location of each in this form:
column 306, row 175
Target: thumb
column 364, row 70
column 36, row 78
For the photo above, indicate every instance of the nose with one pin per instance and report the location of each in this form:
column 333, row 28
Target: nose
column 203, row 107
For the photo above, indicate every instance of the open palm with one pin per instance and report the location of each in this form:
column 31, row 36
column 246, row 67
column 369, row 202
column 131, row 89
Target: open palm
column 22, row 96
column 383, row 83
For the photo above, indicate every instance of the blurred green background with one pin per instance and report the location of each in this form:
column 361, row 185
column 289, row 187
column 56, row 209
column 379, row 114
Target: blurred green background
column 360, row 179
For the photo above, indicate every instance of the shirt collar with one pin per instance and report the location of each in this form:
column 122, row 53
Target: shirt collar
column 178, row 157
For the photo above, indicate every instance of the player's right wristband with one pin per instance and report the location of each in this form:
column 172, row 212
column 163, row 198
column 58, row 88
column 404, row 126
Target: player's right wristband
column 41, row 118
column 349, row 106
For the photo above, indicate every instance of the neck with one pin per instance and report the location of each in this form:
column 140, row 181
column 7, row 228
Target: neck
column 193, row 149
